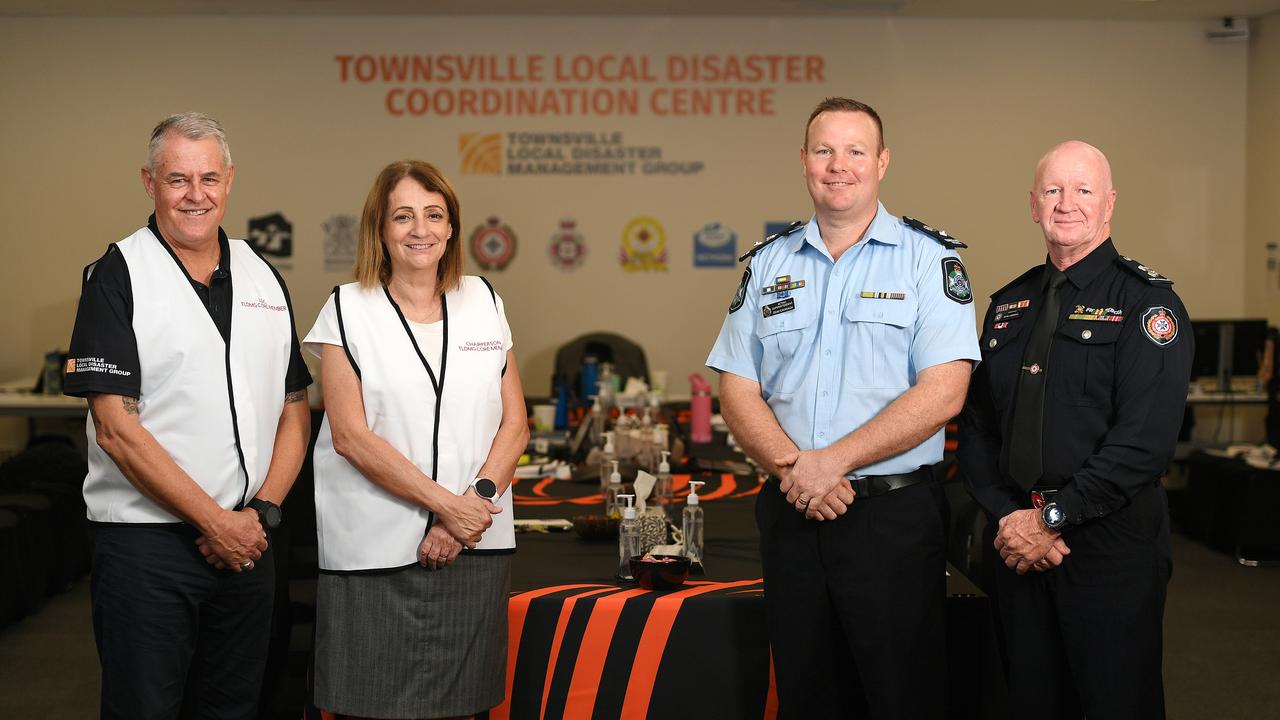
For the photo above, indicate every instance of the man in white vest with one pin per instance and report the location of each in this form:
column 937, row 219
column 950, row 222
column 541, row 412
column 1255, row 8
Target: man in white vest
column 185, row 347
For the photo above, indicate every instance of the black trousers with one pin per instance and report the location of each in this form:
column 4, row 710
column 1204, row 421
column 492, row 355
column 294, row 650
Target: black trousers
column 176, row 637
column 856, row 605
column 1086, row 638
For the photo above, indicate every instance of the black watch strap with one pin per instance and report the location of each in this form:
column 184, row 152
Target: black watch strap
column 269, row 513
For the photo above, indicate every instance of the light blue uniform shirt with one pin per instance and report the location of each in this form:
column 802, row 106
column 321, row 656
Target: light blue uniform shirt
column 860, row 331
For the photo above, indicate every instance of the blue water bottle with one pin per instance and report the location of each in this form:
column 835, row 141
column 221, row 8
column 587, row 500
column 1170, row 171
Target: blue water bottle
column 562, row 406
column 590, row 375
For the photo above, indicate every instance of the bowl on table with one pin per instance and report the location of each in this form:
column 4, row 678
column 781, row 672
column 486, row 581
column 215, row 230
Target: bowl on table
column 596, row 527
column 660, row 572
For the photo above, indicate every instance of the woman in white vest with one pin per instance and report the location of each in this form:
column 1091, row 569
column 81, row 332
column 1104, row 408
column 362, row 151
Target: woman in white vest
column 424, row 422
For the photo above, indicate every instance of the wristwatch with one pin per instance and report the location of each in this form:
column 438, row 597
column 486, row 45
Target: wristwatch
column 268, row 512
column 1053, row 516
column 485, row 488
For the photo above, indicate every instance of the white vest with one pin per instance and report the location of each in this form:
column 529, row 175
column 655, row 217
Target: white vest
column 206, row 417
column 361, row 526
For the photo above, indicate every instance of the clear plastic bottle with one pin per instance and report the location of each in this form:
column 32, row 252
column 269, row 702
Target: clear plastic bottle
column 612, row 505
column 596, row 431
column 628, row 538
column 608, row 461
column 662, row 488
column 691, row 524
column 699, row 409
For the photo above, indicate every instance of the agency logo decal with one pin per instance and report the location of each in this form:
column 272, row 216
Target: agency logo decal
column 272, row 235
column 340, row 242
column 568, row 248
column 715, row 246
column 480, row 153
column 644, row 246
column 493, row 245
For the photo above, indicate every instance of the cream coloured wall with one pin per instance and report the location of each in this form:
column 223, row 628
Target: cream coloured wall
column 1262, row 267
column 969, row 106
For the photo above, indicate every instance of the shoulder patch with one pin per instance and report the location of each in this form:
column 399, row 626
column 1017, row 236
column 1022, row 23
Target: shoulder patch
column 1144, row 272
column 741, row 296
column 941, row 236
column 955, row 282
column 1160, row 325
column 765, row 242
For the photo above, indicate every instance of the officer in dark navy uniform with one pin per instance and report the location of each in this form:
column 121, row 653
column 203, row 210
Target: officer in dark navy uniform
column 1071, row 420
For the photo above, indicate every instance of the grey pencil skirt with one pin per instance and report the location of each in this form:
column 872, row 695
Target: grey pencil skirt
column 413, row 643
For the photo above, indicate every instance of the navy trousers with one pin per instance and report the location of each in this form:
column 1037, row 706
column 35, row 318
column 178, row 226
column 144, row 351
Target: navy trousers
column 856, row 605
column 176, row 637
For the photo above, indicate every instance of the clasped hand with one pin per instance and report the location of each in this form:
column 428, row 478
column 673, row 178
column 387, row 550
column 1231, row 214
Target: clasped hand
column 815, row 484
column 236, row 542
column 1025, row 543
column 438, row 549
column 467, row 517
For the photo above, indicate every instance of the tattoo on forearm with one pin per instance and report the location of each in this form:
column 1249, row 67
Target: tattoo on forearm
column 130, row 404
column 295, row 396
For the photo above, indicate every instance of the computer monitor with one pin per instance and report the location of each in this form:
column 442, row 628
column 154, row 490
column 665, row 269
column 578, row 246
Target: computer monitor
column 1227, row 348
column 1250, row 339
column 1207, row 360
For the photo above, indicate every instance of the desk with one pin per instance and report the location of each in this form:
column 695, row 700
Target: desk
column 1229, row 507
column 29, row 404
column 1221, row 398
column 584, row 646
column 17, row 399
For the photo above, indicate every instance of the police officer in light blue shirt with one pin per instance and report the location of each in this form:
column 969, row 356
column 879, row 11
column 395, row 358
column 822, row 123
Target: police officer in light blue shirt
column 846, row 349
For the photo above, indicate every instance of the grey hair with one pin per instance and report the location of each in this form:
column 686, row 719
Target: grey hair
column 192, row 126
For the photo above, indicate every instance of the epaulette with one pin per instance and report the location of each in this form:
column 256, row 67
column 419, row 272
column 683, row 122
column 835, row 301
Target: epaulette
column 1142, row 271
column 1037, row 270
column 765, row 242
column 941, row 236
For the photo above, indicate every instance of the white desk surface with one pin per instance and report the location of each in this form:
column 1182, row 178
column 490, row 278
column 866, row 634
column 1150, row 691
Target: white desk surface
column 17, row 399
column 1196, row 396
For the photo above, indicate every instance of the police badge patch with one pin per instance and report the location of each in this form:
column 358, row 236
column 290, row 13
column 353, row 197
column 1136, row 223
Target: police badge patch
column 741, row 296
column 1159, row 325
column 955, row 282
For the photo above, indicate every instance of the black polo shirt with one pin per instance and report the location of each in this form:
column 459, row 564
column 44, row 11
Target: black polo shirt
column 104, row 323
column 1116, row 385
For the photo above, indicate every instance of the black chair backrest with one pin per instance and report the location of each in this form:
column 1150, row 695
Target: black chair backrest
column 626, row 357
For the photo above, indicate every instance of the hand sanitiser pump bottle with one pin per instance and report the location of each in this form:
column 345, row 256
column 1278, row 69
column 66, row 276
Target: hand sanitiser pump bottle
column 691, row 526
column 628, row 537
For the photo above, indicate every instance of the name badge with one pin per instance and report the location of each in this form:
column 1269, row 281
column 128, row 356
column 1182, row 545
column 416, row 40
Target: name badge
column 779, row 307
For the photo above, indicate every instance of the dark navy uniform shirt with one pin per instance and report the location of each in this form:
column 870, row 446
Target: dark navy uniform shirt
column 1116, row 386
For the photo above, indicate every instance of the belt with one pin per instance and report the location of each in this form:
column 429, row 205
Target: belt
column 867, row 486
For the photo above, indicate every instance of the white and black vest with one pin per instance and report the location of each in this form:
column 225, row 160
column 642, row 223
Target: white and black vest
column 443, row 419
column 213, row 407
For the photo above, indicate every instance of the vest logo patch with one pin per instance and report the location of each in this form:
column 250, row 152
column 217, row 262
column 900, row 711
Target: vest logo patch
column 483, row 346
column 262, row 303
column 95, row 365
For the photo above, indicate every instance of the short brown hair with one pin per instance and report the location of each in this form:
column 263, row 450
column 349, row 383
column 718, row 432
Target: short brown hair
column 373, row 265
column 839, row 104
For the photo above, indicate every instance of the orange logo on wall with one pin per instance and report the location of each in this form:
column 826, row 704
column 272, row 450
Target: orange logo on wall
column 480, row 153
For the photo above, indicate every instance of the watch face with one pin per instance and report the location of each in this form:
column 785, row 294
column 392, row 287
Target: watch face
column 268, row 513
column 1053, row 516
column 272, row 517
column 486, row 488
